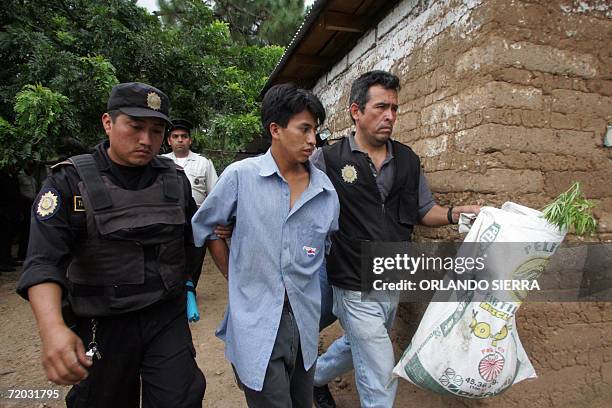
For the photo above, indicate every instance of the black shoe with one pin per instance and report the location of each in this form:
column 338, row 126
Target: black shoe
column 323, row 398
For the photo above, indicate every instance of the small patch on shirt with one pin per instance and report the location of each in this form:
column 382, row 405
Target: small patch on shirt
column 349, row 173
column 77, row 204
column 48, row 204
column 310, row 251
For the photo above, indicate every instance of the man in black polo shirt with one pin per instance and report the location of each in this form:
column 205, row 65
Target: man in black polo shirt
column 383, row 194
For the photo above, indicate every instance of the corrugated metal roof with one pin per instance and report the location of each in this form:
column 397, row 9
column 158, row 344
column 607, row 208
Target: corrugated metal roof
column 328, row 32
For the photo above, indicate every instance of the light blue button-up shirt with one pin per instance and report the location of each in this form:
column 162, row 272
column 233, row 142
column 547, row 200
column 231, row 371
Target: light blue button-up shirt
column 274, row 249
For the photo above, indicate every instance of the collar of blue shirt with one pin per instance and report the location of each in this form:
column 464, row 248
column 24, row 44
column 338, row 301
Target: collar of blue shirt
column 318, row 179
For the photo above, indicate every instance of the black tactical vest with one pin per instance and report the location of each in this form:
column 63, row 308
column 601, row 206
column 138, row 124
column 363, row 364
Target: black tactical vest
column 134, row 254
column 363, row 215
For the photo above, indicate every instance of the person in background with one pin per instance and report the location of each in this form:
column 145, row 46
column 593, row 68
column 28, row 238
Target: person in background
column 199, row 170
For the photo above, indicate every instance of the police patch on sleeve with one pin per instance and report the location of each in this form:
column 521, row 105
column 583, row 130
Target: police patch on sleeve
column 48, row 204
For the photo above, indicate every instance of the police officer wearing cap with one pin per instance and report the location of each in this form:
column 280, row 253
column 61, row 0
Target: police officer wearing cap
column 108, row 235
column 201, row 174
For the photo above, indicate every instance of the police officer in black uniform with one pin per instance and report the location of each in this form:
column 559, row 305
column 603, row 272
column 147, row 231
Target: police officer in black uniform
column 108, row 237
column 383, row 194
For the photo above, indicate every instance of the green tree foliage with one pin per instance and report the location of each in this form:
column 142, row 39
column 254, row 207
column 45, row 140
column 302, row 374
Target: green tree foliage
column 61, row 58
column 262, row 22
column 40, row 111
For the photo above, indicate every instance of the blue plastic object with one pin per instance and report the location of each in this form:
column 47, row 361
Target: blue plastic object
column 193, row 315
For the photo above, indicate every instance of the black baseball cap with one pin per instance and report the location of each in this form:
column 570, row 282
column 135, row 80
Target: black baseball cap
column 139, row 100
column 181, row 124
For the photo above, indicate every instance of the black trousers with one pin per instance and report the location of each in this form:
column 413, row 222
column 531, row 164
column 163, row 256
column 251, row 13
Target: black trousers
column 152, row 347
column 287, row 384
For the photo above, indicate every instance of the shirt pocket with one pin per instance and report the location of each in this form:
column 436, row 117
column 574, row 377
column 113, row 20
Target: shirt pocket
column 310, row 245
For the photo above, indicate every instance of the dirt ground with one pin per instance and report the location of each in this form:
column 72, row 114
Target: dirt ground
column 20, row 366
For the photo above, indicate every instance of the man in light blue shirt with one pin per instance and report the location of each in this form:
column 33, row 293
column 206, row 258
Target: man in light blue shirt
column 284, row 210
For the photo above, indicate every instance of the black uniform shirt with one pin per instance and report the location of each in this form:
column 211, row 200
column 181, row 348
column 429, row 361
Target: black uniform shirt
column 53, row 234
column 385, row 177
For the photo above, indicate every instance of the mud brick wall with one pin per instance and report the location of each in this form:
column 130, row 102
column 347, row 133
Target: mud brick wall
column 504, row 100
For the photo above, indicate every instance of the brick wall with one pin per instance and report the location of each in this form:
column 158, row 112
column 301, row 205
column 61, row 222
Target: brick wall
column 505, row 100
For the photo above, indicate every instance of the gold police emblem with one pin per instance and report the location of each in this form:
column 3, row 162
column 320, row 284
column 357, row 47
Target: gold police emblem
column 349, row 173
column 47, row 204
column 153, row 101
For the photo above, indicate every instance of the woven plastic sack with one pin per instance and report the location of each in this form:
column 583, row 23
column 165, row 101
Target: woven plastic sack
column 471, row 348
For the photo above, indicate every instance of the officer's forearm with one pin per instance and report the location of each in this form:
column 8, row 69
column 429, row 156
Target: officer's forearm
column 438, row 215
column 435, row 217
column 46, row 301
column 220, row 254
